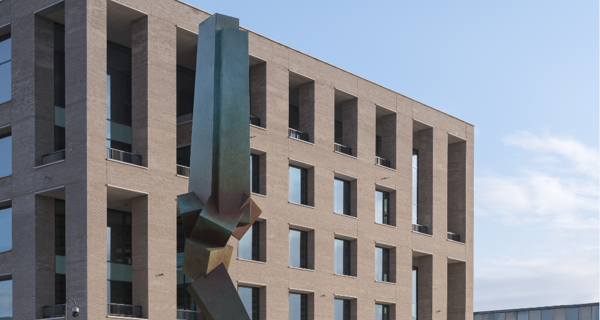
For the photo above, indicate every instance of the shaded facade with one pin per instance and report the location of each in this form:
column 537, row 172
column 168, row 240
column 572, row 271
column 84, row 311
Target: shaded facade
column 367, row 195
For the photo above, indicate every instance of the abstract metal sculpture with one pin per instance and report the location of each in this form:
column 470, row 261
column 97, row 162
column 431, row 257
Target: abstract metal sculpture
column 218, row 203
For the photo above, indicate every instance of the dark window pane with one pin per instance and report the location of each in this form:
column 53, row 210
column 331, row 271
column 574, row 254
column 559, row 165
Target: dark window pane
column 255, row 173
column 378, row 146
column 183, row 155
column 294, row 120
column 5, row 229
column 59, row 65
column 338, row 132
column 60, row 288
column 59, row 227
column 186, row 80
column 119, row 292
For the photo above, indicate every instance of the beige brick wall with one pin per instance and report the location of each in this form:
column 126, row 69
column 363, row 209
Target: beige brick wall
column 85, row 175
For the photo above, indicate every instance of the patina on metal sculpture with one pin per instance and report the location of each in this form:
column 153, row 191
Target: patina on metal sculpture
column 218, row 204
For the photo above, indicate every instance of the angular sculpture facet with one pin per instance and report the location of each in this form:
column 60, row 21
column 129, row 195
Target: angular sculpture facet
column 218, row 204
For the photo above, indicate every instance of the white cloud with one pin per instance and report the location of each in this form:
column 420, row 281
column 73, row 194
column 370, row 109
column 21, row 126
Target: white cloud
column 584, row 158
column 550, row 213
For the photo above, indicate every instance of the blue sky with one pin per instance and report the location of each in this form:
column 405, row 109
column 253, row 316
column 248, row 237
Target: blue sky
column 526, row 74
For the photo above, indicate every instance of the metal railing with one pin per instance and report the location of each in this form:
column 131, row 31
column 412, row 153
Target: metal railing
column 124, row 310
column 297, row 134
column 123, row 156
column 254, row 121
column 53, row 156
column 420, row 228
column 185, row 118
column 188, row 314
column 57, row 310
column 383, row 162
column 453, row 236
column 183, row 170
column 342, row 148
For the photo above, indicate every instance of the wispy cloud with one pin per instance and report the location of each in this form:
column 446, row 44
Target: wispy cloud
column 585, row 159
column 549, row 207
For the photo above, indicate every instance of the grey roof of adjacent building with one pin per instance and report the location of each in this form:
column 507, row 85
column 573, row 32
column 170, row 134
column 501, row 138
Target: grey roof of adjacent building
column 540, row 308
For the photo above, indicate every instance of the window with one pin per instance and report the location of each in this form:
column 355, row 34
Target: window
column 60, row 284
column 184, row 299
column 250, row 299
column 382, row 264
column 298, row 249
column 382, row 207
column 186, row 82
column 5, row 154
column 572, row 314
column 183, row 156
column 523, row 315
column 342, row 257
column 59, row 87
column 6, row 299
column 255, row 173
column 5, row 67
column 382, row 312
column 341, row 309
column 341, row 196
column 298, row 306
column 298, row 185
column 118, row 233
column 5, row 228
column 378, row 146
column 548, row 314
column 118, row 97
column 294, row 120
column 415, row 184
column 414, row 293
column 249, row 245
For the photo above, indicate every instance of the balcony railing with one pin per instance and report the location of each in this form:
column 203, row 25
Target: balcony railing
column 53, row 156
column 342, row 148
column 124, row 310
column 297, row 134
column 453, row 236
column 183, row 170
column 123, row 156
column 420, row 228
column 383, row 162
column 188, row 314
column 57, row 310
column 185, row 118
column 254, row 121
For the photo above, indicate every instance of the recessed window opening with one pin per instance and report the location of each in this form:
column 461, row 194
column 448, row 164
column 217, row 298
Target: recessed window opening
column 59, row 87
column 119, row 257
column 5, row 68
column 250, row 297
column 346, row 122
column 382, row 312
column 457, row 188
column 6, row 291
column 415, row 292
column 382, row 264
column 422, row 181
column 5, row 152
column 342, row 309
column 342, row 196
column 385, row 137
column 298, row 185
column 258, row 92
column 382, row 207
column 343, row 257
column 249, row 245
column 255, row 173
column 301, row 107
column 298, row 306
column 60, row 284
column 5, row 228
column 298, row 248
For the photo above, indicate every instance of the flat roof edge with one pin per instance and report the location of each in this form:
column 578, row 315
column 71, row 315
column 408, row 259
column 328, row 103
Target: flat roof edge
column 306, row 54
column 593, row 304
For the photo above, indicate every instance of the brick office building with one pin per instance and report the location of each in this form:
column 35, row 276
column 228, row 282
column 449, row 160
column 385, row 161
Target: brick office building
column 367, row 195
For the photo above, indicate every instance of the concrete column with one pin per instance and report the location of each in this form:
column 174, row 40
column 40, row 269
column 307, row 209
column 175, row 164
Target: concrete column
column 307, row 109
column 425, row 195
column 425, row 288
column 85, row 131
column 139, row 90
column 44, row 253
column 258, row 92
column 457, row 189
column 388, row 138
column 350, row 124
column 44, row 87
column 457, row 274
